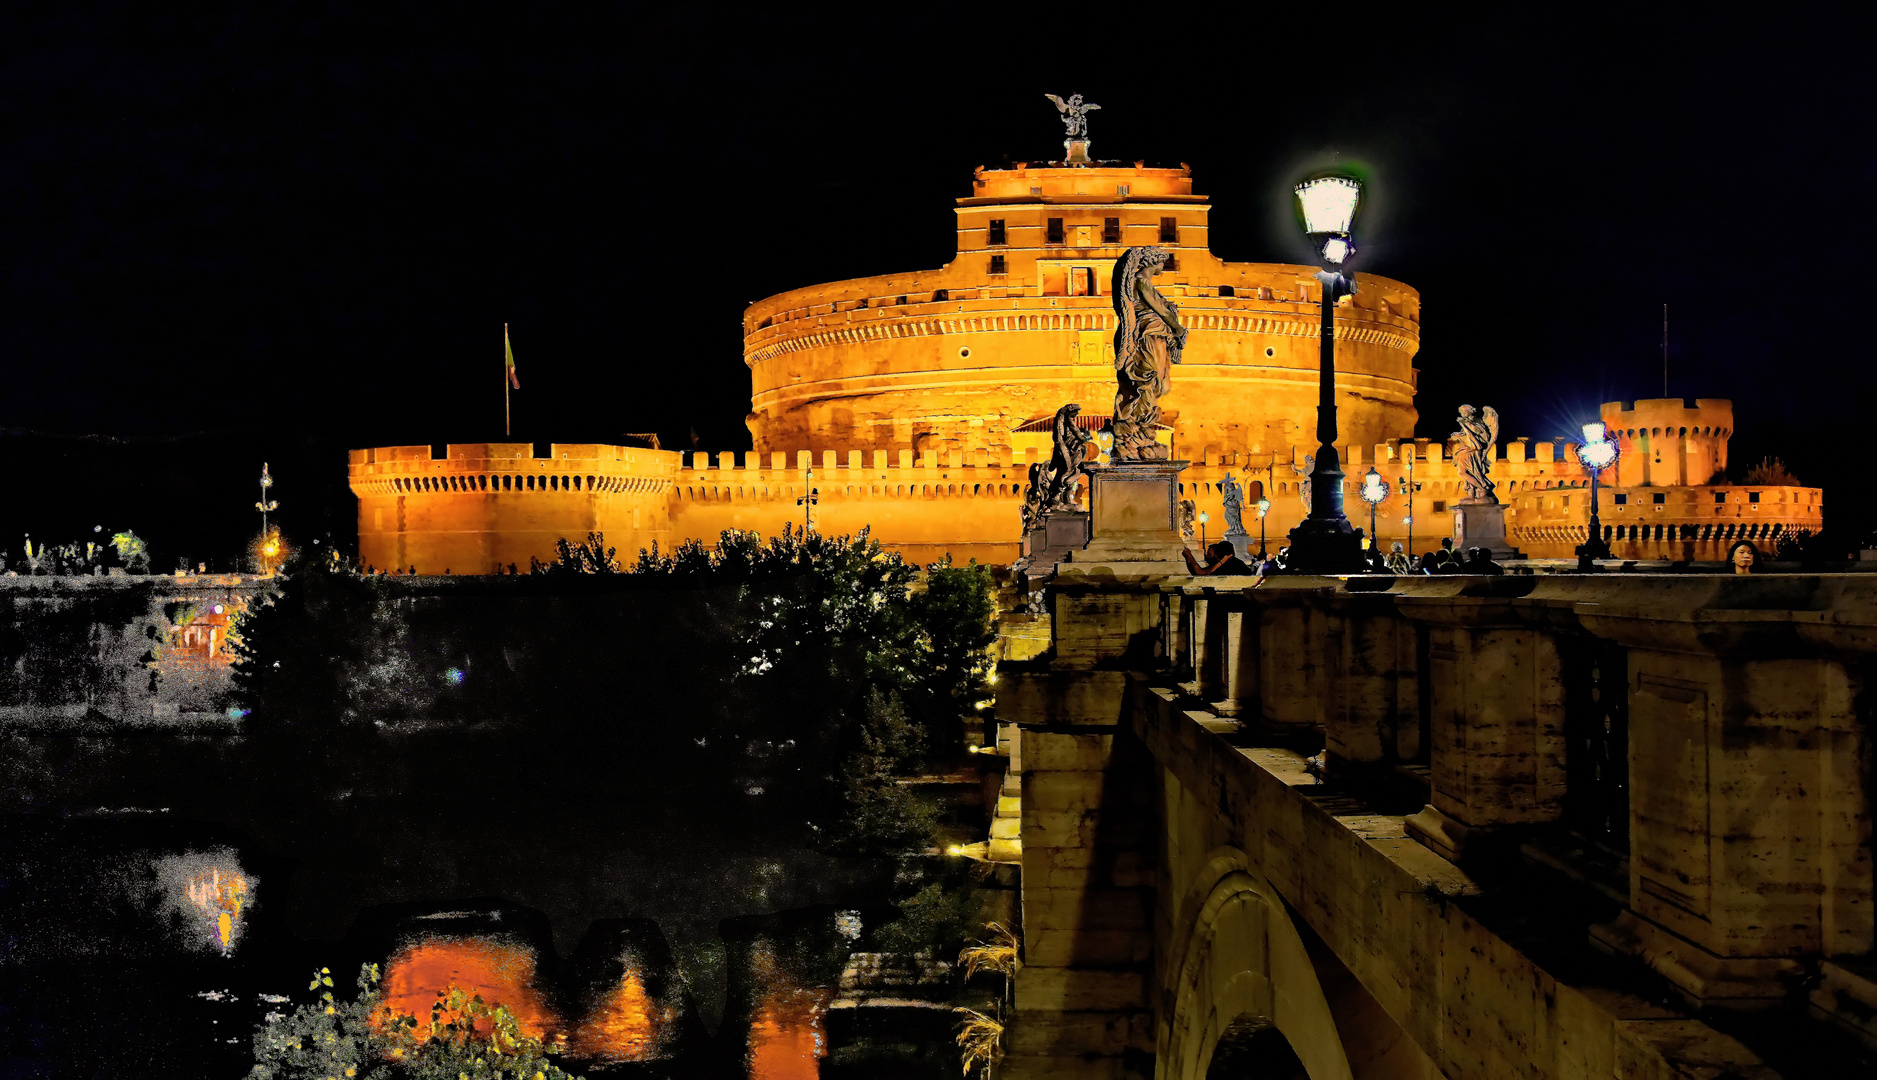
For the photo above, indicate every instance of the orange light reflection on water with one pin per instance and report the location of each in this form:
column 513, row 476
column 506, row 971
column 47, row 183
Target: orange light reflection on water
column 627, row 1026
column 786, row 1038
column 220, row 896
column 503, row 973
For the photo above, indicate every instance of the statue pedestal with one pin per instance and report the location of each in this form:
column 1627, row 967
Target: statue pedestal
column 1076, row 151
column 1245, row 546
column 1133, row 508
column 1055, row 536
column 1481, row 525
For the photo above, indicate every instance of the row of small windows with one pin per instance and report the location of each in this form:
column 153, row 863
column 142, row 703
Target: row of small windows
column 1684, row 432
column 705, row 494
column 502, row 482
column 1055, row 232
column 1659, row 498
column 1080, row 285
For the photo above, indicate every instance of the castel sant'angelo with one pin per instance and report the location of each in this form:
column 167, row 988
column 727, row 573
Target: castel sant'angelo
column 914, row 404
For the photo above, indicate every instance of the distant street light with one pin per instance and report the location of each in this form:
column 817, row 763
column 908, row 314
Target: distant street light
column 1374, row 490
column 265, row 505
column 807, row 503
column 1202, row 529
column 1596, row 453
column 1407, row 486
column 1324, row 542
column 1264, row 507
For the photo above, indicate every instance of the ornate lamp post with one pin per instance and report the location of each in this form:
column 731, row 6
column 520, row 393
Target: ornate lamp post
column 1408, row 487
column 807, row 503
column 266, row 504
column 1374, row 490
column 1596, row 453
column 1264, row 507
column 1203, row 518
column 1325, row 542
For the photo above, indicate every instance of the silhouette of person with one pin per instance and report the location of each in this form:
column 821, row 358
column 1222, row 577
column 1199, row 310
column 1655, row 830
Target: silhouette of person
column 1479, row 561
column 1221, row 559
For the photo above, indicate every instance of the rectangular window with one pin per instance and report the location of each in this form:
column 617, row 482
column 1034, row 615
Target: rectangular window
column 1753, row 496
column 1173, row 264
column 1659, row 498
column 1081, row 281
column 1169, row 230
column 1123, row 190
column 997, row 233
column 1620, row 498
column 1055, row 231
column 1720, row 497
column 997, row 264
column 1111, row 230
column 1440, row 506
column 1227, row 290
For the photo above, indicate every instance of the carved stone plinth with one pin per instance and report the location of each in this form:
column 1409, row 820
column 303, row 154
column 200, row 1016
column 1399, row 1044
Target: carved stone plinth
column 1244, row 545
column 1133, row 508
column 1076, row 151
column 1703, row 978
column 1055, row 536
column 1482, row 525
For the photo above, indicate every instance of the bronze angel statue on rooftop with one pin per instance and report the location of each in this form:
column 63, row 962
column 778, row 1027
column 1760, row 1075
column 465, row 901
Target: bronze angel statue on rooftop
column 1148, row 341
column 1074, row 114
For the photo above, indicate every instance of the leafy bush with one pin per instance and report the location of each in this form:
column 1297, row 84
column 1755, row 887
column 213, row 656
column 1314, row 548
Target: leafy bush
column 361, row 1039
column 1770, row 472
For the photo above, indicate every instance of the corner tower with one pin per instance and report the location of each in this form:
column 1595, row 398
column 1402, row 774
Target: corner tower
column 1022, row 320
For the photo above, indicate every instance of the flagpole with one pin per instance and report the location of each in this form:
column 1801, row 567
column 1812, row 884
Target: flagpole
column 506, row 434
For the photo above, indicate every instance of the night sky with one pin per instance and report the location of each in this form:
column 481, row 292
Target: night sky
column 274, row 234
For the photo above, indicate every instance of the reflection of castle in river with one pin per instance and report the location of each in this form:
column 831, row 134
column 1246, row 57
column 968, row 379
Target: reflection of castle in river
column 919, row 400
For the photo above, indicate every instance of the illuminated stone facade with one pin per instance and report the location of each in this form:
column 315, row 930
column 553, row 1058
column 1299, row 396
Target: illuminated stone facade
column 915, row 403
column 1022, row 320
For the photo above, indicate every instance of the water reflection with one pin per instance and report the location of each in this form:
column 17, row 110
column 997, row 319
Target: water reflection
column 211, row 893
column 626, row 1025
column 787, row 1037
column 500, row 969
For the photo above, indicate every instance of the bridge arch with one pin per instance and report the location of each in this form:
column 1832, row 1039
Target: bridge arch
column 1243, row 967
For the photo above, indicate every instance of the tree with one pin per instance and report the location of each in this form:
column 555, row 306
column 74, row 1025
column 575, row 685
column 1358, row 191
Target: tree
column 1770, row 472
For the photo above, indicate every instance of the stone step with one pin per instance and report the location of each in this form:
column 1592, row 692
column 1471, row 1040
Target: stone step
column 1009, row 806
column 1006, row 828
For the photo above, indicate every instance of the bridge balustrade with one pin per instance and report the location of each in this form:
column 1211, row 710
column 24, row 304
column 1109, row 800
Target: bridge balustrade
column 1694, row 748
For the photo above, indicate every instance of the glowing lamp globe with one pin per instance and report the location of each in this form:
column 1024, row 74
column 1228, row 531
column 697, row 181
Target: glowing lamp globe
column 1597, row 451
column 1264, row 507
column 1329, row 204
column 1374, row 488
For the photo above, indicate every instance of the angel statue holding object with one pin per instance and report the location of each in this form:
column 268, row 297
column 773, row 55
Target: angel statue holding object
column 1472, row 457
column 1148, row 341
column 1074, row 114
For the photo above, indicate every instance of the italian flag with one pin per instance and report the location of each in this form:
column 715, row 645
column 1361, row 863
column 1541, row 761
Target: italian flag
column 509, row 352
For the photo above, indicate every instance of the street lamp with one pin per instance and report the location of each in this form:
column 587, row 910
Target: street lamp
column 1408, row 487
column 266, row 504
column 1596, row 453
column 807, row 503
column 1325, row 542
column 1264, row 507
column 1202, row 530
column 1374, row 490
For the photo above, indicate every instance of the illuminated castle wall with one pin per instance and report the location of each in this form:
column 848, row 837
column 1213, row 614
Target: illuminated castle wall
column 900, row 400
column 1022, row 320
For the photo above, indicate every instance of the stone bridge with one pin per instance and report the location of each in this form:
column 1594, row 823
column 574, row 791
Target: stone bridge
column 1473, row 828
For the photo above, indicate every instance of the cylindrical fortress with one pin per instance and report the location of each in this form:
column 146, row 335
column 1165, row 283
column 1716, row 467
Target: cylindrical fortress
column 1022, row 321
column 478, row 508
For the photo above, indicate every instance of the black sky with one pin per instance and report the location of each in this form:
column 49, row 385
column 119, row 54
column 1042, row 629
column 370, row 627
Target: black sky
column 278, row 230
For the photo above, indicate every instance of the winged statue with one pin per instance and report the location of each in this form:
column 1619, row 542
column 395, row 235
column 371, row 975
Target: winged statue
column 1074, row 114
column 1473, row 454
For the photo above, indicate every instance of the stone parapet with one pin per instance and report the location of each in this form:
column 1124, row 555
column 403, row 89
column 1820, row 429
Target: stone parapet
column 1705, row 734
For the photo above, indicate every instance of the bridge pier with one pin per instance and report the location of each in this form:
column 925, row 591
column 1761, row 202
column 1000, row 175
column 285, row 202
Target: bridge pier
column 1081, row 1002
